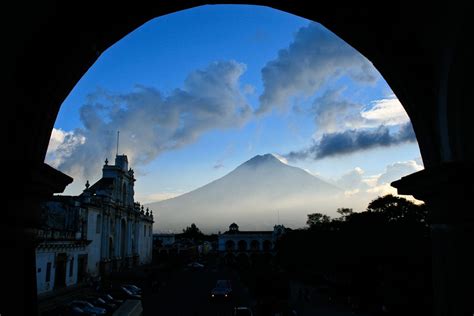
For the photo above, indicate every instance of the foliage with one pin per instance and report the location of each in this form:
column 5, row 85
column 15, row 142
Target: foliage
column 398, row 209
column 317, row 219
column 367, row 254
column 192, row 232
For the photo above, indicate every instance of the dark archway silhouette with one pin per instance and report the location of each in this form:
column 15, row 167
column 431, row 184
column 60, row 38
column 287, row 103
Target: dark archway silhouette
column 230, row 245
column 242, row 245
column 267, row 245
column 422, row 51
column 254, row 245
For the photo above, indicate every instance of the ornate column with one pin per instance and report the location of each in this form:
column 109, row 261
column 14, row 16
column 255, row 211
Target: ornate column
column 448, row 191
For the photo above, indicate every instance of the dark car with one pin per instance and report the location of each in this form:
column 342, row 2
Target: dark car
column 195, row 266
column 110, row 299
column 133, row 288
column 100, row 302
column 223, row 289
column 87, row 307
column 123, row 293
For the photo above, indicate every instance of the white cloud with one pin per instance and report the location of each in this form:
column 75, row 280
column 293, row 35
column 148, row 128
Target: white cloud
column 363, row 188
column 315, row 57
column 151, row 123
column 61, row 146
column 387, row 111
column 397, row 170
column 335, row 114
column 352, row 180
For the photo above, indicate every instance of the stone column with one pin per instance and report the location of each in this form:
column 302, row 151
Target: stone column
column 21, row 217
column 448, row 191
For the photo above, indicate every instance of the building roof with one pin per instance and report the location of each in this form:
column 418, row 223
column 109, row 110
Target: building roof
column 251, row 232
column 102, row 184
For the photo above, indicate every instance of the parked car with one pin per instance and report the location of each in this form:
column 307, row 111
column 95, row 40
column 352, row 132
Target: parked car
column 88, row 307
column 242, row 311
column 133, row 288
column 223, row 289
column 195, row 266
column 100, row 302
column 123, row 293
column 110, row 299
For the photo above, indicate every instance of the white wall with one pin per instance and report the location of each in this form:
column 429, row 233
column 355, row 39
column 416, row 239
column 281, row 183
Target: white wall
column 42, row 259
column 94, row 247
column 45, row 256
column 145, row 242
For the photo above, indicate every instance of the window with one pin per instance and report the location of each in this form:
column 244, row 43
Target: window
column 99, row 223
column 71, row 266
column 48, row 272
column 144, row 230
column 149, row 232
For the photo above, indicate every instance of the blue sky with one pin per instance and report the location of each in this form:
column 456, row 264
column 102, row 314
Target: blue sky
column 196, row 93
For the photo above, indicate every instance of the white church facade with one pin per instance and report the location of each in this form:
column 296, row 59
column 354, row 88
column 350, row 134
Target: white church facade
column 100, row 231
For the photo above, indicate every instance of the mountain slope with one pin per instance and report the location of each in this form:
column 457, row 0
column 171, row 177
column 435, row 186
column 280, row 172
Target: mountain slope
column 254, row 195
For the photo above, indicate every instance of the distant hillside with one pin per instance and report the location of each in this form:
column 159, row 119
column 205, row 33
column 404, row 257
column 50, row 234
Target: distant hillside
column 256, row 195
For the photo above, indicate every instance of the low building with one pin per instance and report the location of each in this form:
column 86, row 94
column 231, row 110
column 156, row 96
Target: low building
column 163, row 240
column 235, row 241
column 62, row 251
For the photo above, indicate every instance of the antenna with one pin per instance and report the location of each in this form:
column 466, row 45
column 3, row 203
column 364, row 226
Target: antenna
column 118, row 135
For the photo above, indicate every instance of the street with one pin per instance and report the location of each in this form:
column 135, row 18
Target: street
column 187, row 293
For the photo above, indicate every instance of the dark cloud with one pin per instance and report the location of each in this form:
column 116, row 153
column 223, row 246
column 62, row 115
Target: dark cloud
column 350, row 141
column 314, row 57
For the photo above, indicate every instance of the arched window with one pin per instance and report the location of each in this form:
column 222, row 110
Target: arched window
column 267, row 245
column 229, row 245
column 98, row 223
column 242, row 245
column 254, row 245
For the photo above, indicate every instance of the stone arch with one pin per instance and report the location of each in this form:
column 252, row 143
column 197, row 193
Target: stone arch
column 242, row 245
column 230, row 245
column 255, row 245
column 267, row 245
column 361, row 36
column 429, row 80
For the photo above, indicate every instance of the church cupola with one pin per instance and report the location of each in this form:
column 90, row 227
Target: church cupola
column 233, row 228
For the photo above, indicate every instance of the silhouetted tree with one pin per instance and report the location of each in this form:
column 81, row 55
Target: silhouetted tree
column 317, row 219
column 344, row 212
column 192, row 232
column 399, row 210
